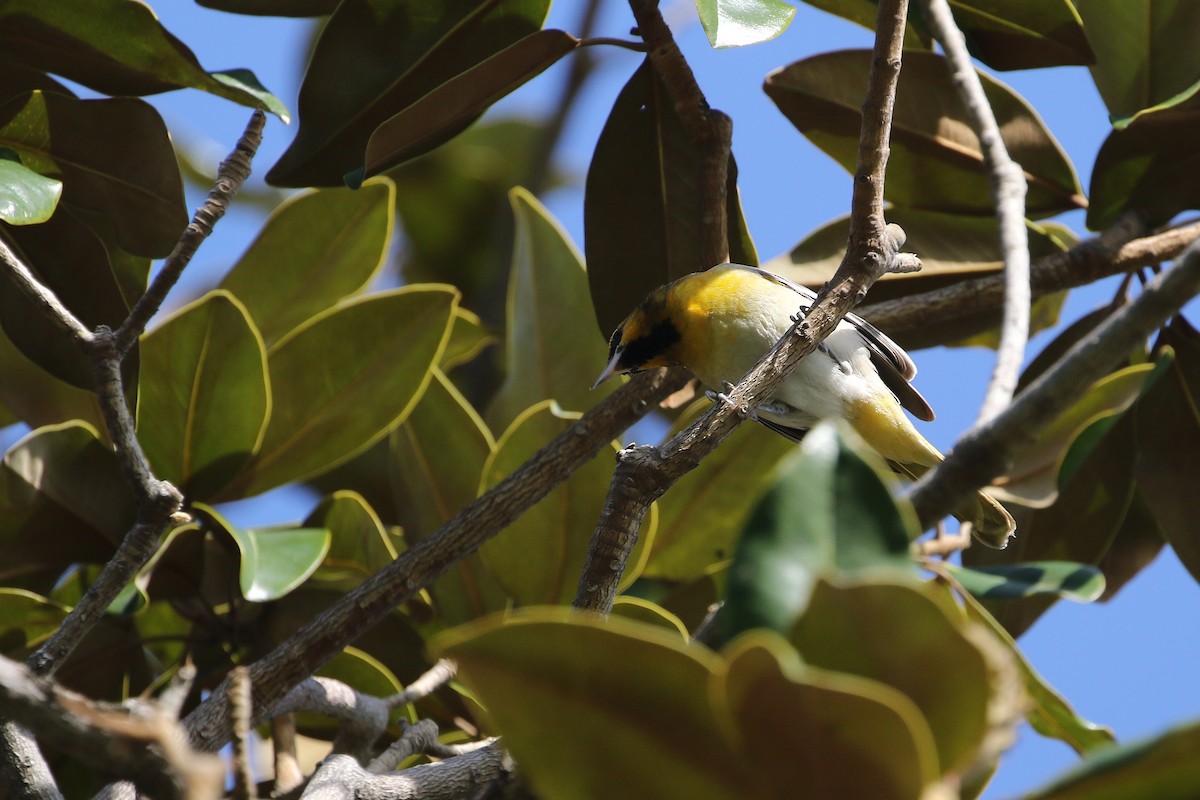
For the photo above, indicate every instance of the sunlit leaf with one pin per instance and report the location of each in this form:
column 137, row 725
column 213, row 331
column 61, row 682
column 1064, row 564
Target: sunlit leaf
column 26, row 198
column 359, row 543
column 26, row 620
column 1080, row 582
column 734, row 23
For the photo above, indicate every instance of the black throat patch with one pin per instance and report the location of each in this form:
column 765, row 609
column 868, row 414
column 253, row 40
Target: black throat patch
column 652, row 344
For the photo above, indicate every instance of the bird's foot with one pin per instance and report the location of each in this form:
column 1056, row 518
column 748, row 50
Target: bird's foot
column 724, row 399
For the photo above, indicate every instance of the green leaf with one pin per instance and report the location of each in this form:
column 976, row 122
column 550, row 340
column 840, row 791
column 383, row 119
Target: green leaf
column 1063, row 342
column 85, row 144
column 343, row 379
column 38, row 398
column 273, row 561
column 642, row 207
column 1164, row 768
column 734, row 23
column 639, row 610
column 468, row 338
column 840, row 735
column 273, row 8
column 458, row 102
column 699, row 519
column 397, row 52
column 936, row 162
column 204, row 397
column 1080, row 582
column 953, row 248
column 69, row 465
column 26, row 620
column 117, row 47
column 315, row 249
column 91, row 277
column 26, row 198
column 434, row 462
column 864, row 12
column 830, row 511
column 898, row 634
column 557, row 684
column 1149, row 164
column 1049, row 714
column 548, row 354
column 360, row 547
column 1018, row 34
column 539, row 558
column 1168, row 439
column 1138, row 542
column 1144, row 53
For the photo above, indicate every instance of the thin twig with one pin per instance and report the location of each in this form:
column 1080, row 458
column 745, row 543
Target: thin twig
column 984, row 452
column 288, row 774
column 627, row 44
column 433, row 679
column 643, row 474
column 240, row 704
column 230, row 176
column 1007, row 181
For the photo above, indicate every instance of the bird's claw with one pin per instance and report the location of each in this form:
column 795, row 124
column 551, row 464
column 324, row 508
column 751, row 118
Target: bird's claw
column 724, row 399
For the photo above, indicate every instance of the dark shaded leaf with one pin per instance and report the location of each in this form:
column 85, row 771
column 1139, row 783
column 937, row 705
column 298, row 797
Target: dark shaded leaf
column 1138, row 542
column 1063, row 342
column 734, row 23
column 547, row 298
column 37, row 398
column 468, row 338
column 26, row 620
column 315, row 249
column 642, row 207
column 830, row 511
column 360, row 545
column 1079, row 582
column 557, row 685
column 449, row 108
column 1018, row 34
column 204, row 397
column 329, row 374
column 26, row 198
column 1150, row 164
column 274, row 8
column 375, row 58
column 864, row 12
column 1144, row 52
column 116, row 47
column 936, row 162
column 1164, row 768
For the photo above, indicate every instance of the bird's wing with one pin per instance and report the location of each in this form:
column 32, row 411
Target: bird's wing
column 894, row 366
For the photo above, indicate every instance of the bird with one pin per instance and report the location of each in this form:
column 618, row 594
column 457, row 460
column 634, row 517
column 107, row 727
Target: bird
column 719, row 323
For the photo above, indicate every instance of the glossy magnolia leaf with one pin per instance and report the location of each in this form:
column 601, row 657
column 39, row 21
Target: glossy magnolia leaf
column 1168, row 435
column 1039, row 470
column 274, row 8
column 1080, row 527
column 315, row 249
column 1143, row 50
column 700, row 518
column 1080, row 582
column 92, row 278
column 898, row 634
column 360, row 545
column 539, row 558
column 836, row 734
column 829, row 511
column 37, row 398
column 343, row 379
column 734, row 23
column 557, row 684
column 936, row 162
column 865, row 12
column 434, row 462
column 952, row 247
column 548, row 354
column 69, row 465
column 204, row 398
column 117, row 47
column 468, row 338
column 1148, row 165
column 26, row 620
column 458, row 102
column 273, row 561
column 26, row 198
column 1164, row 768
column 642, row 206
column 1049, row 714
column 85, row 144
column 1018, row 34
column 639, row 610
column 398, row 51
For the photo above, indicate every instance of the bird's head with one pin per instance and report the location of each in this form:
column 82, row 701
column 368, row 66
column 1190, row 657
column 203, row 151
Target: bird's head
column 646, row 339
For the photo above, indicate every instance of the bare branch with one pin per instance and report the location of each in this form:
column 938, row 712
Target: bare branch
column 342, row 778
column 643, row 474
column 240, row 703
column 984, row 452
column 1008, row 193
column 288, row 774
column 230, row 176
column 363, row 717
column 23, row 769
column 43, row 297
column 436, row 677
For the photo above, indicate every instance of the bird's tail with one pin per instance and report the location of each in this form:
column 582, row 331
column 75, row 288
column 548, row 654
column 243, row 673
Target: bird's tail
column 991, row 523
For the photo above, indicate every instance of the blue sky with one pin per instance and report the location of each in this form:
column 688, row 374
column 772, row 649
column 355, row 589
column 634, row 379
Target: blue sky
column 1129, row 664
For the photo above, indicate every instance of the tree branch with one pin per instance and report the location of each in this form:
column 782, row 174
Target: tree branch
column 1007, row 181
column 643, row 474
column 985, row 451
column 342, row 778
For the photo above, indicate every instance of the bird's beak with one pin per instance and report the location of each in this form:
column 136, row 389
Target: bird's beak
column 609, row 371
